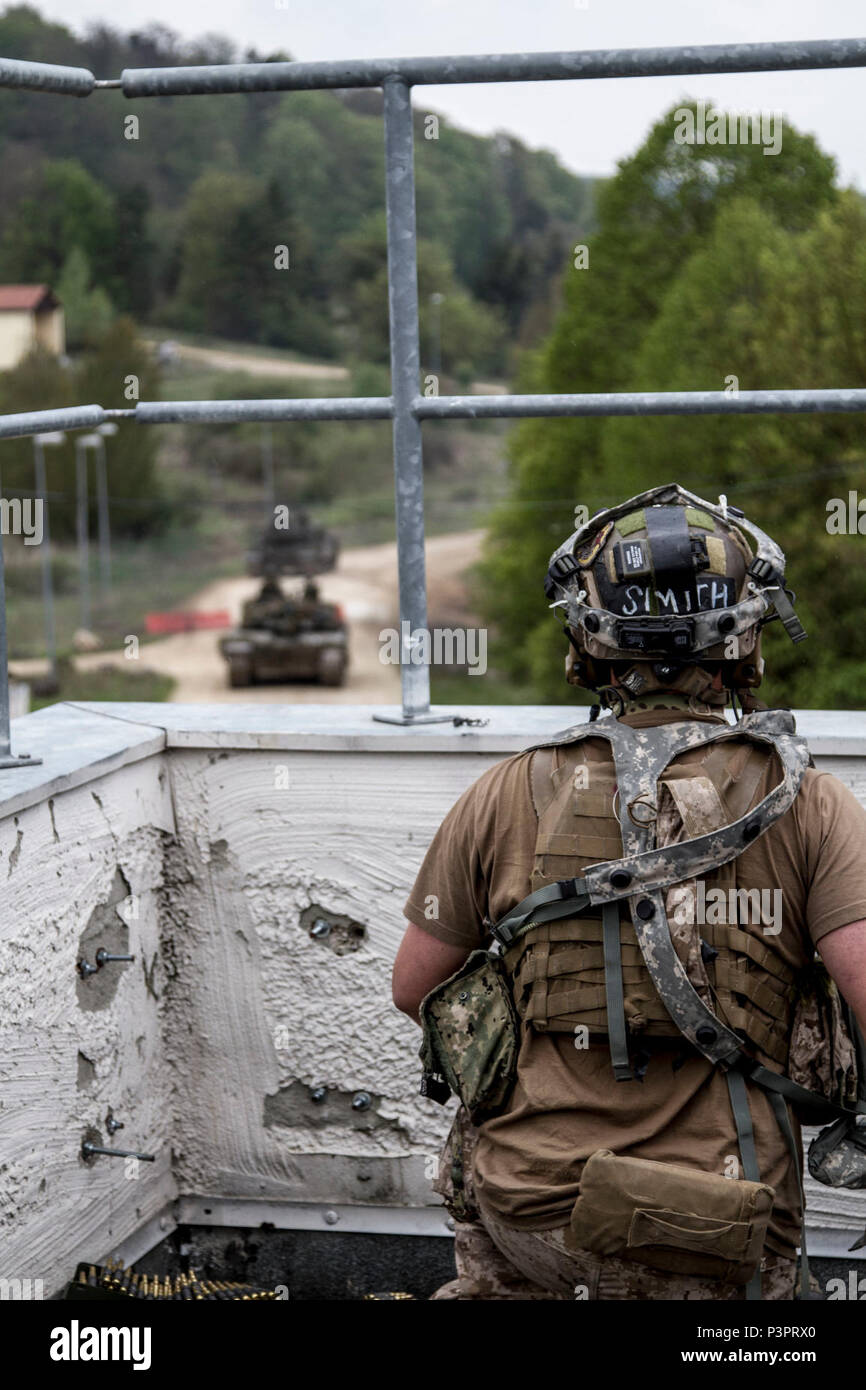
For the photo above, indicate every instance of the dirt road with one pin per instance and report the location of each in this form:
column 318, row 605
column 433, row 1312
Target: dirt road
column 256, row 363
column 364, row 583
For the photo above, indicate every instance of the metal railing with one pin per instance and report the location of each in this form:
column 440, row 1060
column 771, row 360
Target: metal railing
column 405, row 407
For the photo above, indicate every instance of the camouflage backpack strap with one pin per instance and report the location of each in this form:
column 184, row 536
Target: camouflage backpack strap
column 748, row 986
column 641, row 755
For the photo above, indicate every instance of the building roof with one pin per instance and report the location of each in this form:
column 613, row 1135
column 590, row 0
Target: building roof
column 26, row 297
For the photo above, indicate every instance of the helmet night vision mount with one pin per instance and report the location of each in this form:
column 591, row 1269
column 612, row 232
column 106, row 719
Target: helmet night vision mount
column 669, row 578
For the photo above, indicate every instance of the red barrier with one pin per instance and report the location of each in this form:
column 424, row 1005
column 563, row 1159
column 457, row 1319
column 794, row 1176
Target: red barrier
column 185, row 622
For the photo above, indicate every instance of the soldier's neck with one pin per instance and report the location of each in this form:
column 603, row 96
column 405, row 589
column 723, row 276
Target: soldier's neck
column 663, row 699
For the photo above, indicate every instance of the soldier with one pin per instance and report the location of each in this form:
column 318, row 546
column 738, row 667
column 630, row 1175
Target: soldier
column 697, row 989
column 268, row 604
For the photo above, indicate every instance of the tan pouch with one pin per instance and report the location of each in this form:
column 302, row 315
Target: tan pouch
column 681, row 1220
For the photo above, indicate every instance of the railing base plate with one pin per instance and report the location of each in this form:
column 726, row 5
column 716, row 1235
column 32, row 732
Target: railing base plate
column 22, row 760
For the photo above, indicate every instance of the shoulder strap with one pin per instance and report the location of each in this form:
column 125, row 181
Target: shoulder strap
column 640, row 756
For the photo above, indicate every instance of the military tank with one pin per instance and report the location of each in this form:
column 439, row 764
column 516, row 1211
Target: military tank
column 299, row 548
column 289, row 636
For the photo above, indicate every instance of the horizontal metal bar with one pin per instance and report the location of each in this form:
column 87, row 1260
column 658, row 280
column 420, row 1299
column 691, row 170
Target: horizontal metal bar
column 46, row 77
column 831, row 401
column 74, row 417
column 143, row 1239
column 248, row 1212
column 642, row 403
column 234, row 412
column 495, row 67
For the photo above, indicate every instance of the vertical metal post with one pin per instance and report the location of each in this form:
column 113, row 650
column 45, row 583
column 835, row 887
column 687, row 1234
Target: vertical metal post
column 47, row 584
column 4, row 666
column 81, row 529
column 103, row 518
column 7, row 758
column 268, row 472
column 405, row 373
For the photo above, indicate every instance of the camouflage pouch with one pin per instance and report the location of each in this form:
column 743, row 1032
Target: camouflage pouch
column 822, row 1054
column 837, row 1156
column 471, row 1037
column 454, row 1181
column 826, row 1056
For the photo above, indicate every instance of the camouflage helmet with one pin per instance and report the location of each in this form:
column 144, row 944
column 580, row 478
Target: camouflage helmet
column 668, row 584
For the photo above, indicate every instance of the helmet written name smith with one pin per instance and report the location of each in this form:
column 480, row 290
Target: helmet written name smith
column 663, row 591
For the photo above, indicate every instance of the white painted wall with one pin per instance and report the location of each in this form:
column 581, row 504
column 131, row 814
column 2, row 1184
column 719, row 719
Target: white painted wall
column 228, row 822
column 57, row 863
column 22, row 329
column 17, row 336
column 348, row 834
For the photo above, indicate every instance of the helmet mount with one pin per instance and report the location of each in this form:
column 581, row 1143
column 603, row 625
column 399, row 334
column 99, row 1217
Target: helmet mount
column 663, row 592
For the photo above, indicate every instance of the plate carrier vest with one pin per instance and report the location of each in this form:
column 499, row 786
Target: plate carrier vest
column 558, row 968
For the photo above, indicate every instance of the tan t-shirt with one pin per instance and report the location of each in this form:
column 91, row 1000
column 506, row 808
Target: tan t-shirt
column 566, row 1103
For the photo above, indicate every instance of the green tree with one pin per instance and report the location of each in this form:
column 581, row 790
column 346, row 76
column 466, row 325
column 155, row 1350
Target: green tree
column 503, row 215
column 769, row 308
column 660, row 209
column 87, row 310
column 233, row 281
column 472, row 334
column 138, row 503
column 64, row 207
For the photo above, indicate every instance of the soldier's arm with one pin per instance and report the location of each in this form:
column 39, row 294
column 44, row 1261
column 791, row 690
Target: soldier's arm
column 843, row 951
column 422, row 963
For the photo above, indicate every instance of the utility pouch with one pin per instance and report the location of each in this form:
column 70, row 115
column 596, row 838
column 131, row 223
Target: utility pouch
column 824, row 1045
column 471, row 1037
column 454, row 1180
column 837, row 1156
column 680, row 1220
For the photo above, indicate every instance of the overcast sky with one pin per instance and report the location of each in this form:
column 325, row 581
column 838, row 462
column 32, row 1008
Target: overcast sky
column 590, row 125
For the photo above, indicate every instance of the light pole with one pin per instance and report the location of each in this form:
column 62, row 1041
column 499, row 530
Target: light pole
column 54, row 438
column 82, row 444
column 7, row 757
column 81, row 529
column 436, row 333
column 101, row 433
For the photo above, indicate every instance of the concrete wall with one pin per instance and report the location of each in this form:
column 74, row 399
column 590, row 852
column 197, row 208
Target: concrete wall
column 71, row 862
column 212, row 839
